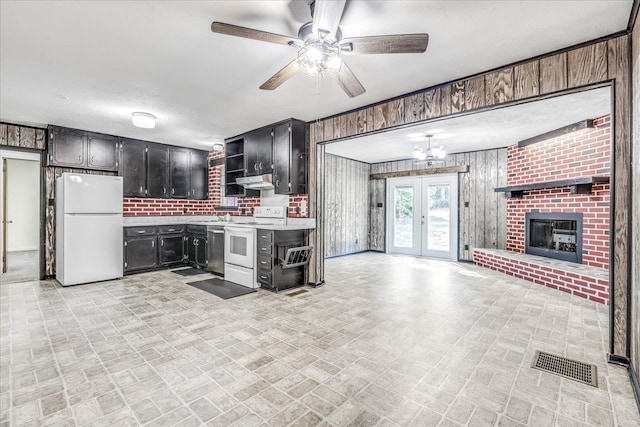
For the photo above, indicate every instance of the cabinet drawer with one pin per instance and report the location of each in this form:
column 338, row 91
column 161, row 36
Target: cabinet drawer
column 264, row 249
column 265, row 237
column 140, row 231
column 265, row 263
column 171, row 229
column 197, row 229
column 264, row 277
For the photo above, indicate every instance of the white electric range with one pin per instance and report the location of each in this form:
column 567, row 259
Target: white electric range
column 240, row 244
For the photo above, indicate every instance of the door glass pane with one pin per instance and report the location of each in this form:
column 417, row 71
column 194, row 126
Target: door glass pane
column 403, row 217
column 438, row 237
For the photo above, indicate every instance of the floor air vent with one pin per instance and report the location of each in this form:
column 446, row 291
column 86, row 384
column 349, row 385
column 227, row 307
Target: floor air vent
column 572, row 369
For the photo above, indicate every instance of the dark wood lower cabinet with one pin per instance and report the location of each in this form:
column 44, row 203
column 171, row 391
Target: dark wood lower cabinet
column 197, row 246
column 171, row 249
column 140, row 253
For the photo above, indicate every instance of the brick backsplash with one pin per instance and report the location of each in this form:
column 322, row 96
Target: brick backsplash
column 584, row 154
column 298, row 203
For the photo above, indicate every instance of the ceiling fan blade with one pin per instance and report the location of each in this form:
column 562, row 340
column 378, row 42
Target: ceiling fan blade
column 397, row 43
column 326, row 16
column 281, row 76
column 249, row 33
column 349, row 82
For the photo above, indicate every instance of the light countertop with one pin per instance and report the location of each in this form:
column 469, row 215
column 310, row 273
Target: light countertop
column 240, row 221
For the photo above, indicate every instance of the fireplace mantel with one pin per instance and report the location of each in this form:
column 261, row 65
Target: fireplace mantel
column 580, row 185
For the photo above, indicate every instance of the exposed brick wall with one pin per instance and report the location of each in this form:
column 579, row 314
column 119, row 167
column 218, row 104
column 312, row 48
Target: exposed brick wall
column 585, row 154
column 576, row 284
column 298, row 203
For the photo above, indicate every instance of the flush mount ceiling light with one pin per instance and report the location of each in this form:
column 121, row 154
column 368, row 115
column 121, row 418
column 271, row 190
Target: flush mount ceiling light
column 143, row 120
column 218, row 146
column 431, row 155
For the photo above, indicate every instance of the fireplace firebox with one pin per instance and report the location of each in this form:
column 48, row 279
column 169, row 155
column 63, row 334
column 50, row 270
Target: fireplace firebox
column 554, row 235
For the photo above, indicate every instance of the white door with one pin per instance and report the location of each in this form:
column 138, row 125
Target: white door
column 423, row 219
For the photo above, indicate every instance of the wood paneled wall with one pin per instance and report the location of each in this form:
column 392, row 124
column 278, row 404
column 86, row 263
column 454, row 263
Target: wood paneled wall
column 346, row 195
column 23, row 136
column 482, row 212
column 51, row 173
column 635, row 257
column 596, row 63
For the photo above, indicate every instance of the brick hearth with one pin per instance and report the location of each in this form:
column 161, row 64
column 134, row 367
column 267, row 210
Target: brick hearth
column 580, row 155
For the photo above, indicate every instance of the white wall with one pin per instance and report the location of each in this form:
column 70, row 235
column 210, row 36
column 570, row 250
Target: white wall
column 23, row 201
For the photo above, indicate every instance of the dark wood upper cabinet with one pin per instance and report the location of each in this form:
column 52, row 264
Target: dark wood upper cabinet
column 258, row 149
column 81, row 149
column 289, row 157
column 179, row 173
column 132, row 169
column 67, row 147
column 102, row 152
column 157, row 171
column 199, row 167
column 279, row 149
column 281, row 154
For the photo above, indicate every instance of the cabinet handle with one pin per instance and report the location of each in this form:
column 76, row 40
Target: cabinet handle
column 255, row 166
column 79, row 158
column 172, row 229
column 164, row 190
column 162, row 242
column 195, row 242
column 141, row 232
column 173, row 191
column 277, row 183
column 153, row 243
column 91, row 159
column 260, row 166
column 141, row 188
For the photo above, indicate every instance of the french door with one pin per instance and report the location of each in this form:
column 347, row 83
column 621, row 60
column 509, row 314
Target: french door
column 422, row 218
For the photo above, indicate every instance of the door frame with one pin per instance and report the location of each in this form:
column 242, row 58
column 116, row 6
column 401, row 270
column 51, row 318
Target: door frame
column 417, row 183
column 30, row 155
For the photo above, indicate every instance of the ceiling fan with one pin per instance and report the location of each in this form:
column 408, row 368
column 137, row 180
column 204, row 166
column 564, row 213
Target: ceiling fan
column 321, row 46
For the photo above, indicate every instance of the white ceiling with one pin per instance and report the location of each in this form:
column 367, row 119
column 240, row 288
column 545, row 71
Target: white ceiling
column 480, row 131
column 90, row 64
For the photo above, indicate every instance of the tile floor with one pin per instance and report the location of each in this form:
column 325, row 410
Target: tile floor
column 22, row 266
column 390, row 340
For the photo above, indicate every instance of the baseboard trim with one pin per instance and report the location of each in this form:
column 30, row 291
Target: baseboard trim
column 635, row 385
column 633, row 377
column 350, row 253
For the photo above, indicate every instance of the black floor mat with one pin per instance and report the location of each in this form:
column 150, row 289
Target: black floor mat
column 189, row 271
column 221, row 288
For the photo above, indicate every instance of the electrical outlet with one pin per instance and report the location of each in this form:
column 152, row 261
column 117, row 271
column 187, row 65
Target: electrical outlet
column 466, row 204
column 466, row 247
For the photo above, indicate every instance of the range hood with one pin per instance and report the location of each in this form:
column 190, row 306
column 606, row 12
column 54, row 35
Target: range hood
column 260, row 182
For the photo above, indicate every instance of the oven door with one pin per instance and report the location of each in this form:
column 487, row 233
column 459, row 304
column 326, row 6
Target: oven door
column 239, row 246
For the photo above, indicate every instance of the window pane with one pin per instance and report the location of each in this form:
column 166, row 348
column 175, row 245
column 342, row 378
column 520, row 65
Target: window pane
column 439, row 217
column 403, row 217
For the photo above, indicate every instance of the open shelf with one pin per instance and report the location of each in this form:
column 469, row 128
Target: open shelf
column 580, row 185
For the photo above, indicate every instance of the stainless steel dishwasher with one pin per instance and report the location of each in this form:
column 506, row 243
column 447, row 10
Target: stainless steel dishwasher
column 215, row 249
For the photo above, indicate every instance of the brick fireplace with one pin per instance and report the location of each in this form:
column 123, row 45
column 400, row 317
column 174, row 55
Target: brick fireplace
column 563, row 161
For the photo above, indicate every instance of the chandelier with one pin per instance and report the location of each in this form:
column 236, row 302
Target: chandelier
column 430, row 156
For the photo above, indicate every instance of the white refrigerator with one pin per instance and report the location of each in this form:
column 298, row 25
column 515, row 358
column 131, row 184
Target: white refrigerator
column 88, row 228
